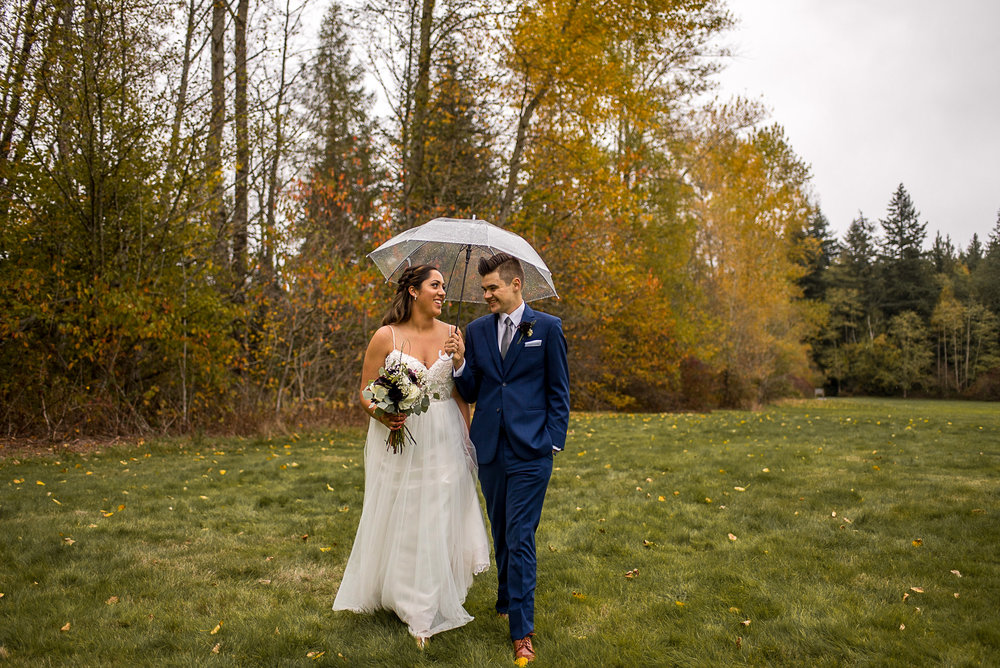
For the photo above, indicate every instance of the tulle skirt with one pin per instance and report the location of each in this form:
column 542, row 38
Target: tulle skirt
column 421, row 537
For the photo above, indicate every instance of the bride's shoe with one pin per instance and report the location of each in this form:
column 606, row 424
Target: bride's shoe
column 422, row 643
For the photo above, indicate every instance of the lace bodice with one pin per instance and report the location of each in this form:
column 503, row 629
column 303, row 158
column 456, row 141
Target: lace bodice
column 439, row 378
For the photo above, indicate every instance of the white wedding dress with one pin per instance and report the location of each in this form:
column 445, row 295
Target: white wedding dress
column 421, row 536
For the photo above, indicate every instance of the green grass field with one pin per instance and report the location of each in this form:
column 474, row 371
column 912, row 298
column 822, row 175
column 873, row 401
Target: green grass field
column 834, row 532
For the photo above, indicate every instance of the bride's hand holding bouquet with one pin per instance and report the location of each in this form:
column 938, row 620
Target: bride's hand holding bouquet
column 397, row 392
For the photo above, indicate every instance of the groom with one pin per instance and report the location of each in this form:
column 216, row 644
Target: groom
column 513, row 366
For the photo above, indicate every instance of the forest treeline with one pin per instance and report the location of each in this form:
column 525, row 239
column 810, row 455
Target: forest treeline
column 901, row 315
column 188, row 191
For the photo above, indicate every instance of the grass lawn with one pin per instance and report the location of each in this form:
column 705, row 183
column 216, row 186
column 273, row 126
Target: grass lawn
column 825, row 532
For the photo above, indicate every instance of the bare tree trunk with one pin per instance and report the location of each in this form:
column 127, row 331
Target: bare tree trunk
column 217, row 120
column 421, row 102
column 968, row 347
column 15, row 85
column 241, row 193
column 180, row 105
column 515, row 159
column 273, row 185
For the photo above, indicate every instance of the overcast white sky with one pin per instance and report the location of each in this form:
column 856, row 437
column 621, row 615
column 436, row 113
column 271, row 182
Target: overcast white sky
column 874, row 93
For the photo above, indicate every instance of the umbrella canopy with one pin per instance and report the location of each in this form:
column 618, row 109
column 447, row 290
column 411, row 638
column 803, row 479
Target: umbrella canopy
column 454, row 246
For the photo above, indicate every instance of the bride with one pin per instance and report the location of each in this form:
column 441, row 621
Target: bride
column 421, row 536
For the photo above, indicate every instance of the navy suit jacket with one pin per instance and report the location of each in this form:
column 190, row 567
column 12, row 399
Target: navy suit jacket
column 527, row 393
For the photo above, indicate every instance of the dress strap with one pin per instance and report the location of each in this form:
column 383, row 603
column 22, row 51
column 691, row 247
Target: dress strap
column 393, row 337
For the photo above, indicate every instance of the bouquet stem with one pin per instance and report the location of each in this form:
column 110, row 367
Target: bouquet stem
column 395, row 441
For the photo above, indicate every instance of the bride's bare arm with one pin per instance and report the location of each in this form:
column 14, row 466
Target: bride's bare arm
column 462, row 406
column 378, row 348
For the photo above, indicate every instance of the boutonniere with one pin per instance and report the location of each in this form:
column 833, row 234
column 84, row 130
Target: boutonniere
column 526, row 329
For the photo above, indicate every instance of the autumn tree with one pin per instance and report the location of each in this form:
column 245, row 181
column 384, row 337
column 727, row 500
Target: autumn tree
column 98, row 267
column 753, row 208
column 908, row 335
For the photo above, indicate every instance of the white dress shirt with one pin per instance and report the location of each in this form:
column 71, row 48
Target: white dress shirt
column 515, row 317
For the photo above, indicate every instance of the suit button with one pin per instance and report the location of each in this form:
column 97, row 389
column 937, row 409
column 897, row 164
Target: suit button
column 505, row 384
column 498, row 410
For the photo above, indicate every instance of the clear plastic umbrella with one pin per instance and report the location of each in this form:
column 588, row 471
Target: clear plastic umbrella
column 454, row 246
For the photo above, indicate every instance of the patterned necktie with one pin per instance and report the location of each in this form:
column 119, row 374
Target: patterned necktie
column 508, row 334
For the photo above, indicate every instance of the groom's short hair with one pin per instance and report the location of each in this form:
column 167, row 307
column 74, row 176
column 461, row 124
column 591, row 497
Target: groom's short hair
column 505, row 264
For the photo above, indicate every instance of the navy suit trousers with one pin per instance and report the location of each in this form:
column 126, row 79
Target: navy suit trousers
column 514, row 489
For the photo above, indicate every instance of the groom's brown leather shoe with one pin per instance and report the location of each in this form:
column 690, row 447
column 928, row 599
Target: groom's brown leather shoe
column 524, row 650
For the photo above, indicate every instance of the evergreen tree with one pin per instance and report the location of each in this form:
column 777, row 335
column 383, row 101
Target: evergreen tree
column 822, row 253
column 986, row 276
column 974, row 253
column 906, row 277
column 902, row 232
column 943, row 254
column 459, row 176
column 343, row 181
column 854, row 275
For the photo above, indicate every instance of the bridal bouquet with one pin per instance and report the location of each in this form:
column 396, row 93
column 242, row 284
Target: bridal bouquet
column 399, row 388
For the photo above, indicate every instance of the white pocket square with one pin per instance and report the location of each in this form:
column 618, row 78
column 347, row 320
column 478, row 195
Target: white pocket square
column 533, row 344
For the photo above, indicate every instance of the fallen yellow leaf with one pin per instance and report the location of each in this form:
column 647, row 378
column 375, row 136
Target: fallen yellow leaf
column 732, row 537
column 661, row 498
column 218, row 627
column 215, row 650
column 121, row 507
column 745, row 622
column 39, row 482
column 112, row 600
column 956, row 573
column 917, row 542
column 919, row 590
column 521, row 662
column 65, row 628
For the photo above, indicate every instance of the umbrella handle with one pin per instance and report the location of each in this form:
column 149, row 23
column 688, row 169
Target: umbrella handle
column 468, row 255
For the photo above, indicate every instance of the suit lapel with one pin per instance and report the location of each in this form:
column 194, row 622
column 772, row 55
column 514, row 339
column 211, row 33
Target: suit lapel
column 492, row 344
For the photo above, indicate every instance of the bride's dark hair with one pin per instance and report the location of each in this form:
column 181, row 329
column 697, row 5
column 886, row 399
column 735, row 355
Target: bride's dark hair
column 399, row 309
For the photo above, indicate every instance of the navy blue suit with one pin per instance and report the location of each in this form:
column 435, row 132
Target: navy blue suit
column 522, row 412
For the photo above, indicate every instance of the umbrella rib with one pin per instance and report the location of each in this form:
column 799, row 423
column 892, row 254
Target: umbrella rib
column 405, row 259
column 453, row 265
